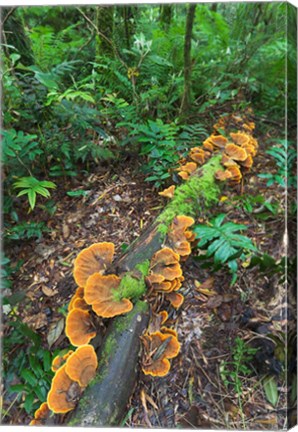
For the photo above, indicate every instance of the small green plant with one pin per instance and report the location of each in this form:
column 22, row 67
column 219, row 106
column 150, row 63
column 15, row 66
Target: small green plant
column 28, row 372
column 285, row 157
column 19, row 149
column 223, row 243
column 32, row 187
column 77, row 193
column 25, row 231
column 234, row 372
column 258, row 205
column 159, row 146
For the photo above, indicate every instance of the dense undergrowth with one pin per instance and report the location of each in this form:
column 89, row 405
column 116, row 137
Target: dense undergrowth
column 83, row 88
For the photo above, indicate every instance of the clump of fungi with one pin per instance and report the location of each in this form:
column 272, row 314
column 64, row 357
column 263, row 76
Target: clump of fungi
column 180, row 236
column 158, row 349
column 71, row 379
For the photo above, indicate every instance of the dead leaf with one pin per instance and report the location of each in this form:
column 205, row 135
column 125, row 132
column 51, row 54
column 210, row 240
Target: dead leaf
column 55, row 331
column 225, row 312
column 49, row 292
column 206, row 287
column 65, row 231
column 36, row 321
column 214, row 302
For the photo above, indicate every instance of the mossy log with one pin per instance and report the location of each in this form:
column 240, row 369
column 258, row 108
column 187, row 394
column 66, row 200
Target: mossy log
column 105, row 399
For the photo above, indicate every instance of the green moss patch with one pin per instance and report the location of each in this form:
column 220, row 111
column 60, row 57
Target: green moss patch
column 199, row 192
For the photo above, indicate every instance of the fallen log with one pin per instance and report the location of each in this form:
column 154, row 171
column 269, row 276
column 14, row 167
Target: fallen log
column 105, row 399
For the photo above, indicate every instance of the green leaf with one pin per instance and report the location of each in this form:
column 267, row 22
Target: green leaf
column 29, row 377
column 17, row 388
column 29, row 402
column 46, row 360
column 270, row 387
column 32, row 198
column 77, row 193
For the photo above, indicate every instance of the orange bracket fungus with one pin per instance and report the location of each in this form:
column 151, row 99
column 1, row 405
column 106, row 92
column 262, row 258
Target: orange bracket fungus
column 183, row 174
column 64, row 392
column 223, row 175
column 59, row 360
column 159, row 347
column 179, row 237
column 78, row 294
column 95, row 259
column 236, row 174
column 240, row 138
column 100, row 294
column 169, row 192
column 40, row 415
column 176, row 299
column 79, row 327
column 165, row 262
column 217, row 141
column 79, row 303
column 197, row 154
column 235, row 152
column 81, row 365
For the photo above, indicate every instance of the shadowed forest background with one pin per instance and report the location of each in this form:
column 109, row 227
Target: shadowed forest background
column 99, row 105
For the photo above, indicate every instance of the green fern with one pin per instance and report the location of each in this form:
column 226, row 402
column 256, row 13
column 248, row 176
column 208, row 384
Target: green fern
column 223, row 243
column 285, row 157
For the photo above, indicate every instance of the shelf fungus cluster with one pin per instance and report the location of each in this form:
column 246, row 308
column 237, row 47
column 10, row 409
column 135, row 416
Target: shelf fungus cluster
column 71, row 378
column 98, row 295
column 73, row 372
column 237, row 148
column 165, row 278
column 237, row 157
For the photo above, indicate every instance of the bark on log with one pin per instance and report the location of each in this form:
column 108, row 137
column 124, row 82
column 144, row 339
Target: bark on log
column 105, row 399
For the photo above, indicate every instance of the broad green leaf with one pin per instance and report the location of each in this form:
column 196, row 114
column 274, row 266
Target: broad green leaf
column 29, row 402
column 271, row 391
column 32, row 198
column 46, row 360
column 29, row 377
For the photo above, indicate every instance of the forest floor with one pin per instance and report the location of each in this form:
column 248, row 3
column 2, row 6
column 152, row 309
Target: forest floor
column 118, row 207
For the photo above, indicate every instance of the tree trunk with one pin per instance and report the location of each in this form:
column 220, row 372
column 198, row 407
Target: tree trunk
column 13, row 33
column 166, row 13
column 105, row 399
column 105, row 25
column 128, row 24
column 186, row 98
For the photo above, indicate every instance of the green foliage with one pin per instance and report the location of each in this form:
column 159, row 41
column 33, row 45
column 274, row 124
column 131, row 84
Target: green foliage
column 258, row 205
column 25, row 231
column 19, row 149
column 197, row 192
column 7, row 270
column 270, row 388
column 77, row 193
column 30, row 366
column 32, row 187
column 285, row 158
column 158, row 144
column 233, row 372
column 223, row 243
